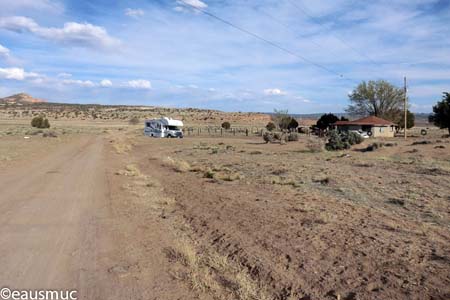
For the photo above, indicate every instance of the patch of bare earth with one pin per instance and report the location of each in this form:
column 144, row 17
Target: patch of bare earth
column 281, row 222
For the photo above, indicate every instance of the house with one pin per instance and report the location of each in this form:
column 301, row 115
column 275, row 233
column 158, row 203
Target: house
column 376, row 126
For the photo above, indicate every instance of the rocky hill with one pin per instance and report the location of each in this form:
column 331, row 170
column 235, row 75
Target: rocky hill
column 19, row 99
column 23, row 106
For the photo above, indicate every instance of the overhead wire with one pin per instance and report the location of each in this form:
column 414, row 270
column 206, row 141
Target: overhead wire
column 269, row 42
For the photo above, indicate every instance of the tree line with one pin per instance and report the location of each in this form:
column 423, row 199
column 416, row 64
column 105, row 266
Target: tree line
column 373, row 98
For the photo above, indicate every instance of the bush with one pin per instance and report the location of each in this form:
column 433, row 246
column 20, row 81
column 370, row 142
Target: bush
column 50, row 134
column 134, row 120
column 226, row 125
column 292, row 137
column 267, row 137
column 293, row 124
column 353, row 138
column 326, row 120
column 374, row 146
column 271, row 126
column 40, row 122
column 337, row 141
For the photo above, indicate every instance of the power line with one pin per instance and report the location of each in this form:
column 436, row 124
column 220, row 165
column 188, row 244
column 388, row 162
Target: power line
column 273, row 44
column 314, row 19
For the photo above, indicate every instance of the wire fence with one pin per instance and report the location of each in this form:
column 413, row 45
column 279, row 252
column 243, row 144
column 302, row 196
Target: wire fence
column 219, row 131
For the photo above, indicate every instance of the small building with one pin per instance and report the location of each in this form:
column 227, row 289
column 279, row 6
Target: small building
column 377, row 127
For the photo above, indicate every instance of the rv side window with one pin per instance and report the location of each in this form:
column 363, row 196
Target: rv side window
column 147, row 124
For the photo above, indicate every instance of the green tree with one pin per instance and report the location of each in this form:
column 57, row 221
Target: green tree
column 293, row 124
column 441, row 113
column 37, row 121
column 377, row 98
column 226, row 125
column 281, row 118
column 409, row 121
column 326, row 120
column 271, row 126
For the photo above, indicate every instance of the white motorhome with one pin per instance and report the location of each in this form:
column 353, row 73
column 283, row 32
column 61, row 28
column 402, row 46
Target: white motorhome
column 164, row 127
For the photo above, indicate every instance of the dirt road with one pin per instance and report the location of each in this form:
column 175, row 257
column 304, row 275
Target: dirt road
column 63, row 226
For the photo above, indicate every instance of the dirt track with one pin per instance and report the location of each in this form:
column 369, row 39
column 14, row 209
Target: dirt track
column 108, row 216
column 66, row 224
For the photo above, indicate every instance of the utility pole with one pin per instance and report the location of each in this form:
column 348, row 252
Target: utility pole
column 406, row 106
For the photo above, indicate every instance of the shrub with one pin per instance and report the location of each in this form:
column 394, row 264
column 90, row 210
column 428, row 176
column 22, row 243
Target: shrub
column 292, row 137
column 271, row 126
column 374, row 146
column 315, row 146
column 134, row 121
column 336, row 142
column 226, row 125
column 293, row 124
column 353, row 138
column 267, row 137
column 277, row 135
column 341, row 141
column 326, row 120
column 40, row 122
column 50, row 134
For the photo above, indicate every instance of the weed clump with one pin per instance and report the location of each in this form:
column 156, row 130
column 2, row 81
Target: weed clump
column 40, row 122
column 342, row 141
column 177, row 165
column 292, row 137
column 50, row 134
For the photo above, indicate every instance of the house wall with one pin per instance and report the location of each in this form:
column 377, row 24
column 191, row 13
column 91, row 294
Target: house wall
column 383, row 131
column 377, row 131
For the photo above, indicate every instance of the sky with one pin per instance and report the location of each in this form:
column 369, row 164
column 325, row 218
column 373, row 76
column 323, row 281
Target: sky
column 242, row 55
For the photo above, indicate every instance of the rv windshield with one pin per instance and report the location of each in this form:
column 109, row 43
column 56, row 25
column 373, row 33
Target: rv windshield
column 169, row 127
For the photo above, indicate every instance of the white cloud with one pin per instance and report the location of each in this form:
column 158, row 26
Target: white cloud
column 106, row 83
column 134, row 13
column 49, row 6
column 139, row 84
column 4, row 52
column 73, row 34
column 64, row 75
column 17, row 74
column 274, row 92
column 83, row 83
column 193, row 3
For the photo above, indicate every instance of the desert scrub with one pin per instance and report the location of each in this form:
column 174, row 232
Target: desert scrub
column 315, row 146
column 40, row 122
column 292, row 137
column 177, row 165
column 342, row 141
column 130, row 170
column 209, row 271
column 209, row 174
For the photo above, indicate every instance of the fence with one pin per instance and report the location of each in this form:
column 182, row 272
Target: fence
column 219, row 131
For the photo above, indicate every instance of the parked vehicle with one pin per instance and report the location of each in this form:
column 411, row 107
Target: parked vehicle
column 364, row 134
column 164, row 127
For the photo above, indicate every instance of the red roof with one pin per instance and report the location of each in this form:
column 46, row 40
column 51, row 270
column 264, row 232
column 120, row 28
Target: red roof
column 371, row 121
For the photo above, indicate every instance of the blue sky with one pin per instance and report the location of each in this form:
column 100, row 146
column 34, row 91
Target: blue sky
column 167, row 53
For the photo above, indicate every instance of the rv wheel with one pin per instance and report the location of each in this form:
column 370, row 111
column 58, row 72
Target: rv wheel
column 369, row 133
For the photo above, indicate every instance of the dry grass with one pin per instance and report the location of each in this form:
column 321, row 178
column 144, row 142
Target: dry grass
column 177, row 165
column 130, row 170
column 208, row 271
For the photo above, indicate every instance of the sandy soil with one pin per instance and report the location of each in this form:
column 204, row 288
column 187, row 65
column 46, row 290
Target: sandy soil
column 67, row 223
column 116, row 215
